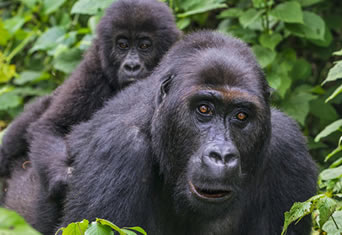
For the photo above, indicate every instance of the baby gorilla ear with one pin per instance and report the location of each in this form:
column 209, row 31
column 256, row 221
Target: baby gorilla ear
column 164, row 88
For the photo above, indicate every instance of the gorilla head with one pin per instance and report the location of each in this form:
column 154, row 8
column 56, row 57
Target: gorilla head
column 212, row 121
column 132, row 39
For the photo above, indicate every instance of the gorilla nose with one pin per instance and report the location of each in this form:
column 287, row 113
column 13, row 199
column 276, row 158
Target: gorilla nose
column 227, row 156
column 132, row 69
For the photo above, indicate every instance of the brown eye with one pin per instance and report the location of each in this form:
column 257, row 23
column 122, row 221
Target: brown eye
column 143, row 46
column 241, row 116
column 123, row 45
column 205, row 109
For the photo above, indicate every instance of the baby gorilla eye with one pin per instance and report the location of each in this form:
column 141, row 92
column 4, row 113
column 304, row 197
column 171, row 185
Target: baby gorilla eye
column 205, row 109
column 122, row 44
column 145, row 44
column 241, row 116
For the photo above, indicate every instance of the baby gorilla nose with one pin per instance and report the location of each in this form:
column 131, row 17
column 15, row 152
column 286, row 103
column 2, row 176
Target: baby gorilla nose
column 132, row 68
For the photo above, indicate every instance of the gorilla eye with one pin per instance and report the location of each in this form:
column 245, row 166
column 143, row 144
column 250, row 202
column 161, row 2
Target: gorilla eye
column 144, row 45
column 122, row 44
column 241, row 116
column 205, row 110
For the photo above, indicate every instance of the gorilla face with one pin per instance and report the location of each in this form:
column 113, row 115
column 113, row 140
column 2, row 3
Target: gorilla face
column 132, row 41
column 216, row 127
column 134, row 52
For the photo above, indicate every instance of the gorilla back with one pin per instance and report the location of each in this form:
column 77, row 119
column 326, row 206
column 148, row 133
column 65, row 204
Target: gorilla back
column 197, row 150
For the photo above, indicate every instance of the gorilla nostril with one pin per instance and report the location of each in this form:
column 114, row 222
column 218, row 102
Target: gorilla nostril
column 215, row 156
column 136, row 68
column 230, row 157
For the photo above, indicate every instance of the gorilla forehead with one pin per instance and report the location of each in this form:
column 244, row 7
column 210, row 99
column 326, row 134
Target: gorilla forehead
column 214, row 59
column 137, row 15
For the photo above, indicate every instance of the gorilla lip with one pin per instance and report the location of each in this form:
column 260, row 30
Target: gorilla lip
column 210, row 194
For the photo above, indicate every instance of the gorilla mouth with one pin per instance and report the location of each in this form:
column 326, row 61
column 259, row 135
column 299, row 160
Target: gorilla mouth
column 210, row 194
column 129, row 81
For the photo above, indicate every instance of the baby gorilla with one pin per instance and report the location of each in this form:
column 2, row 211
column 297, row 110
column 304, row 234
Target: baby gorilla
column 196, row 151
column 131, row 39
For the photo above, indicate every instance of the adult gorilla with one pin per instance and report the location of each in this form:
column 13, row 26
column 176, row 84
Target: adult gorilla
column 131, row 39
column 197, row 150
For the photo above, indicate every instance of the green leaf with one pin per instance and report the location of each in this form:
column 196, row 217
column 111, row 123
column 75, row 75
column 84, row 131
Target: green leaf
column 326, row 207
column 9, row 100
column 51, row 6
column 306, row 3
column 313, row 27
column 200, row 6
column 85, row 42
column 331, row 173
column 98, row 229
column 14, row 24
column 335, row 151
column 334, row 73
column 28, row 76
column 328, row 38
column 230, row 13
column 93, row 22
column 289, row 12
column 68, row 60
column 270, row 40
column 264, row 55
column 30, row 3
column 128, row 232
column 330, row 226
column 279, row 81
column 182, row 23
column 138, row 229
column 336, row 93
column 297, row 105
column 77, row 228
column 30, row 91
column 13, row 224
column 326, row 113
column 329, row 129
column 5, row 35
column 301, row 69
column 90, row 7
column 249, row 17
column 338, row 52
column 7, row 71
column 297, row 211
column 109, row 224
column 48, row 39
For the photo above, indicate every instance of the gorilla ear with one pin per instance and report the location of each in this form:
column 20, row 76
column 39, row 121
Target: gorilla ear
column 164, row 88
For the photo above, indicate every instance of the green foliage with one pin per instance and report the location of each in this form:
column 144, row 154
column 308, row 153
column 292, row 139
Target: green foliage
column 42, row 42
column 98, row 227
column 326, row 207
column 13, row 224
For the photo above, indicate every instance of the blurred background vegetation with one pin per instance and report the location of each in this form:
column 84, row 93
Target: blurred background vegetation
column 298, row 44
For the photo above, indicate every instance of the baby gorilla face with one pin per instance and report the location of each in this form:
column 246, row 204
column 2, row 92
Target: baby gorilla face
column 134, row 53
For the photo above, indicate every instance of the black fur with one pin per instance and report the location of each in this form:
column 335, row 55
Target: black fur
column 15, row 142
column 148, row 30
column 197, row 150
